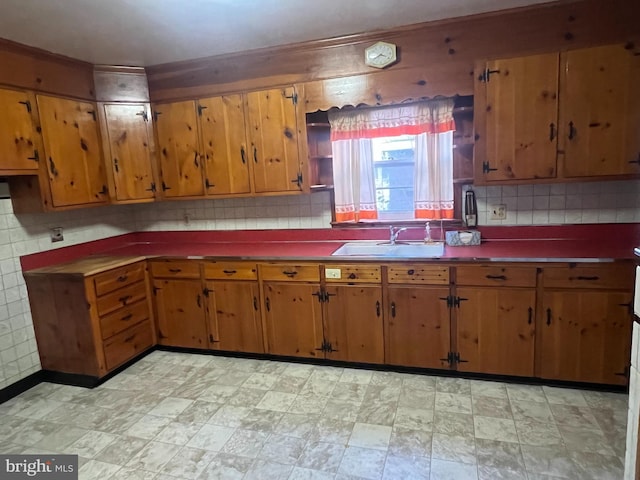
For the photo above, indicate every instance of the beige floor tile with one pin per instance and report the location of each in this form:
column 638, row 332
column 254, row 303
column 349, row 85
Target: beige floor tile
column 211, row 437
column 414, row 419
column 153, row 457
column 499, row 455
column 456, row 424
column 501, row 429
column 226, row 467
column 299, row 473
column 534, row 411
column 282, row 449
column 322, row 456
column 554, row 461
column 537, row 433
column 363, row 462
column 170, row 407
column 491, row 406
column 414, row 468
column 453, row 402
column 245, row 443
column 410, row 443
column 277, row 401
column 526, row 393
column 445, row 470
column 189, row 463
column 297, row 425
column 178, row 433
column 460, row 386
column 564, row 396
column 264, row 470
column 453, row 449
column 95, row 470
column 488, row 389
column 350, row 375
column 91, row 443
column 370, row 436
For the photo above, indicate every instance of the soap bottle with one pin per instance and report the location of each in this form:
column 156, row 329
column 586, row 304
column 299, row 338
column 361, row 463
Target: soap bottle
column 427, row 233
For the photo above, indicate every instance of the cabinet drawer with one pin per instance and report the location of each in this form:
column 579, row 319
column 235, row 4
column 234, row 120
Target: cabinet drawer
column 419, row 274
column 290, row 273
column 230, row 270
column 124, row 318
column 619, row 276
column 492, row 275
column 121, row 298
column 118, row 278
column 127, row 344
column 352, row 273
column 175, row 269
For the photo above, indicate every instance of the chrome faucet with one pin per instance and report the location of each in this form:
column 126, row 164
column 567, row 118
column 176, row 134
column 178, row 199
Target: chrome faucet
column 394, row 232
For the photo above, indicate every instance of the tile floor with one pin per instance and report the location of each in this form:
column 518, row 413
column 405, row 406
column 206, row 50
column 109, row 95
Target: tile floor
column 180, row 416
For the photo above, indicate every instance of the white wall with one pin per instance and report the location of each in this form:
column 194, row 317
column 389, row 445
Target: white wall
column 23, row 234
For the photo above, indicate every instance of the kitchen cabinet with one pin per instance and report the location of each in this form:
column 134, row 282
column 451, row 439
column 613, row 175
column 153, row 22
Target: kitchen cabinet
column 417, row 322
column 557, row 116
column 73, row 152
column 231, row 145
column 352, row 313
column 586, row 321
column 233, row 307
column 180, row 304
column 91, row 316
column 293, row 312
column 128, row 135
column 178, row 149
column 19, row 153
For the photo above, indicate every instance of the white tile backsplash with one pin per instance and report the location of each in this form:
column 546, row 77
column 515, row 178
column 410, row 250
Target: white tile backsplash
column 571, row 203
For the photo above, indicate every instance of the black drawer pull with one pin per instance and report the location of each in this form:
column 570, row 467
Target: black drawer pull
column 255, row 303
column 267, row 303
column 496, row 277
column 530, row 315
column 548, row 316
column 175, row 270
column 122, row 278
column 125, row 299
column 126, row 318
column 411, row 272
column 393, row 309
column 243, row 155
column 289, row 274
column 128, row 339
column 377, row 309
column 352, row 276
column 229, row 272
column 589, row 278
column 199, row 301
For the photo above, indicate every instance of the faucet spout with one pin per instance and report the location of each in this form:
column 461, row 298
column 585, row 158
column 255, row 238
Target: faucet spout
column 394, row 232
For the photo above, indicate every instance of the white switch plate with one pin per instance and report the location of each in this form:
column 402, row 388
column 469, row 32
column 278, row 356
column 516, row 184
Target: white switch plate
column 332, row 273
column 498, row 212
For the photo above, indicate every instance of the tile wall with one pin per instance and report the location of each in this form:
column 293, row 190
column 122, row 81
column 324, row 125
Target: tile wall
column 23, row 234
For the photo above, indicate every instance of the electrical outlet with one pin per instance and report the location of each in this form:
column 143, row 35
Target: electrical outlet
column 187, row 218
column 498, row 212
column 332, row 273
column 56, row 234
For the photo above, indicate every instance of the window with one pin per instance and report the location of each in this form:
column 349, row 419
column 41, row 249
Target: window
column 393, row 163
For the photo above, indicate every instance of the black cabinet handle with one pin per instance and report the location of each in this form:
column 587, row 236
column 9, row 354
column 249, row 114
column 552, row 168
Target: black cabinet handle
column 175, row 270
column 126, row 318
column 289, row 273
column 572, row 131
column 144, row 115
column 377, row 309
column 530, row 315
column 393, row 309
column 92, row 113
column 122, row 278
column 267, row 303
column 552, row 131
column 548, row 316
column 199, row 301
column 27, row 104
column 229, row 272
column 255, row 154
column 36, row 156
column 255, row 303
column 243, row 155
column 125, row 299
column 496, row 277
column 588, row 278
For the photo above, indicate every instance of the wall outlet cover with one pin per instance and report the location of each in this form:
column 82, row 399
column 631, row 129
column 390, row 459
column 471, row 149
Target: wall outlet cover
column 332, row 273
column 498, row 212
column 56, row 234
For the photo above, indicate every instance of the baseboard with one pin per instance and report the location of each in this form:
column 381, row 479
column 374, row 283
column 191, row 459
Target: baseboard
column 21, row 386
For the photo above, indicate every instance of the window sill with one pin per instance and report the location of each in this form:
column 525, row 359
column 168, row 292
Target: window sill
column 447, row 223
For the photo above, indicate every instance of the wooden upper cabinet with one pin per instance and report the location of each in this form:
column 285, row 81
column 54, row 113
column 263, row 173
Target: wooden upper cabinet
column 73, row 153
column 128, row 148
column 178, row 149
column 517, row 120
column 600, row 112
column 274, row 139
column 17, row 145
column 224, row 145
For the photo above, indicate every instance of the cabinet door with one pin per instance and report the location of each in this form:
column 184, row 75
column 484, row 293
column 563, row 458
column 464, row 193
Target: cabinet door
column 234, row 316
column 178, row 149
column 180, row 313
column 17, row 149
column 496, row 330
column 273, row 136
column 293, row 319
column 586, row 336
column 127, row 133
column 418, row 326
column 224, row 145
column 517, row 119
column 73, row 151
column 600, row 112
column 353, row 323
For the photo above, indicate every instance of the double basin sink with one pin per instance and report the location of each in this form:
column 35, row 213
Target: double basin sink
column 386, row 249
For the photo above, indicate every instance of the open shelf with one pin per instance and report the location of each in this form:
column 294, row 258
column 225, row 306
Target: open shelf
column 320, row 152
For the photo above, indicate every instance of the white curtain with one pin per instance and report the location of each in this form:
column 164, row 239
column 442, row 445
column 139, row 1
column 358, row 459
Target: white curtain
column 353, row 169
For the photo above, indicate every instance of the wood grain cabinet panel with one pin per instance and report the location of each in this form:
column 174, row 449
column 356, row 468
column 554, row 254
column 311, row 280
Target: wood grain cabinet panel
column 128, row 138
column 127, row 345
column 353, row 323
column 272, row 126
column 418, row 326
column 586, row 336
column 224, row 145
column 496, row 330
column 18, row 151
column 494, row 275
column 73, row 152
column 178, row 149
column 600, row 112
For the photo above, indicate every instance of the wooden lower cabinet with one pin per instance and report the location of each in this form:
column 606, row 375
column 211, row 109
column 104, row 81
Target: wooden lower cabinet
column 418, row 326
column 353, row 323
column 293, row 319
column 180, row 312
column 585, row 336
column 496, row 330
column 234, row 316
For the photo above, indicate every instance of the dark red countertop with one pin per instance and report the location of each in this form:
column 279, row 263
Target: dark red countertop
column 600, row 242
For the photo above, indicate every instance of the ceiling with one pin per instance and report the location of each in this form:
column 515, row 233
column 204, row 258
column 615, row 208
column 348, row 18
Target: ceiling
column 151, row 32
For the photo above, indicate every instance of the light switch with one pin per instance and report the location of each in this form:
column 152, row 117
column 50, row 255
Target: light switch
column 332, row 273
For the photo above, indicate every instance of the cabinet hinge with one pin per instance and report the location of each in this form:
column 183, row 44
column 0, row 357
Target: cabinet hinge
column 449, row 358
column 27, row 104
column 152, row 187
column 144, row 115
column 206, row 292
column 200, row 109
column 486, row 168
column 449, row 300
column 637, row 160
column 323, row 346
column 457, row 359
column 36, row 156
column 485, row 76
column 164, row 187
column 155, row 115
column 457, row 300
column 298, row 180
column 208, row 184
column 293, row 97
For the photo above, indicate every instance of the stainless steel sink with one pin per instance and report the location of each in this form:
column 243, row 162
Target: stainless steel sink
column 398, row 250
